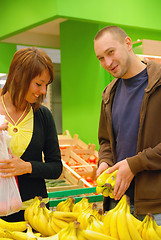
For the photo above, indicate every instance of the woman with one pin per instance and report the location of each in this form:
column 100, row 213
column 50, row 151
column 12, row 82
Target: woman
column 30, row 125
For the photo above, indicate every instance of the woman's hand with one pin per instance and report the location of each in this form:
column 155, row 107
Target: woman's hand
column 3, row 126
column 123, row 178
column 14, row 167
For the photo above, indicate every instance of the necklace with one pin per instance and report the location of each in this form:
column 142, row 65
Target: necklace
column 15, row 129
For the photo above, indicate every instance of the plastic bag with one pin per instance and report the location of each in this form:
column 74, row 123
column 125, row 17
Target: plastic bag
column 10, row 199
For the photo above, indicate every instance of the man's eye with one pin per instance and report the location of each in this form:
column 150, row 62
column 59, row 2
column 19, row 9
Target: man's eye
column 110, row 52
column 38, row 84
column 101, row 58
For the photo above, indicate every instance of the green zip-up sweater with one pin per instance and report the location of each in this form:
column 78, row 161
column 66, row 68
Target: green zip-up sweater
column 146, row 164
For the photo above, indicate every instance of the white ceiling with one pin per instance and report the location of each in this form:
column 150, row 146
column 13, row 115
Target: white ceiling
column 45, row 35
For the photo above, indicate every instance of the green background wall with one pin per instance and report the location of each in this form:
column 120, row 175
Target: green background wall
column 82, row 77
column 6, row 54
column 80, row 80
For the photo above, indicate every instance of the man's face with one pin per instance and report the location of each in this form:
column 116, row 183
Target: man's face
column 113, row 55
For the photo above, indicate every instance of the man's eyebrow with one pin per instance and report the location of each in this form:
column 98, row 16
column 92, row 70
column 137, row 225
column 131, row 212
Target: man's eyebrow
column 104, row 52
column 107, row 50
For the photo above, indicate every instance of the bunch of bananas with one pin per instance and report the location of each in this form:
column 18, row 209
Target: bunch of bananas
column 29, row 235
column 149, row 229
column 120, row 223
column 81, row 205
column 47, row 222
column 74, row 232
column 66, row 206
column 11, row 226
column 106, row 183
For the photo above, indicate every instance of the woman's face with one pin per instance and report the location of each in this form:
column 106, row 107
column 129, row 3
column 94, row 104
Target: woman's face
column 38, row 86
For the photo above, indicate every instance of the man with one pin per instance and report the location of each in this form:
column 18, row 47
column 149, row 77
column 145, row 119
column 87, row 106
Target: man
column 129, row 129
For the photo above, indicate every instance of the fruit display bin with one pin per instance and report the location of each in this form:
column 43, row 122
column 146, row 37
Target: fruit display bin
column 77, row 194
column 72, row 179
column 80, row 157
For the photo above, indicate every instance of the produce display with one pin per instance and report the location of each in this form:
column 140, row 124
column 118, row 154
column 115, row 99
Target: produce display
column 79, row 156
column 80, row 221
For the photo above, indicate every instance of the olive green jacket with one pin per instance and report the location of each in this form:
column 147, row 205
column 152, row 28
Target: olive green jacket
column 146, row 164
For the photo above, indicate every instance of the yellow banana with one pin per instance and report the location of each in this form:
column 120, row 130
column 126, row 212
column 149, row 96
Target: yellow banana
column 13, row 226
column 151, row 233
column 69, row 232
column 41, row 221
column 53, row 225
column 141, row 226
column 107, row 219
column 122, row 227
column 3, row 234
column 29, row 211
column 80, row 234
column 17, row 235
column 83, row 218
column 59, row 222
column 145, row 230
column 105, row 192
column 92, row 235
column 67, row 216
column 112, row 178
column 114, row 224
column 81, row 205
column 54, row 237
column 66, row 206
column 136, row 221
column 94, row 224
column 6, row 238
column 100, row 189
column 30, row 233
column 131, row 226
column 110, row 184
column 99, row 214
column 102, row 178
column 50, row 230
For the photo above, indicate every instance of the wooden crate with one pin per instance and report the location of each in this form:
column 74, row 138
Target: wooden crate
column 77, row 154
column 72, row 178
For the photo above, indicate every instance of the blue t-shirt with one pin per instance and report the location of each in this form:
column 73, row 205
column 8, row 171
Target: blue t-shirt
column 126, row 114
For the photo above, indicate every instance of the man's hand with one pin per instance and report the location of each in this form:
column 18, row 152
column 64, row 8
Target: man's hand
column 102, row 167
column 123, row 179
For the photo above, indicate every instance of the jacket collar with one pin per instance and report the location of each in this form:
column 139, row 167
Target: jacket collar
column 154, row 76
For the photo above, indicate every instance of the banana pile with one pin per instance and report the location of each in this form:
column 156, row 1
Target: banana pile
column 66, row 206
column 45, row 221
column 105, row 183
column 148, row 229
column 80, row 221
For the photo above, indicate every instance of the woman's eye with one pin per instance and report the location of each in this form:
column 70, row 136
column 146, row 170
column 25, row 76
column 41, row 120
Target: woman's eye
column 38, row 84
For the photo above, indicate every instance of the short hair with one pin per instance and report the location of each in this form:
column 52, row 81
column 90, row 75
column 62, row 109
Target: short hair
column 117, row 32
column 27, row 63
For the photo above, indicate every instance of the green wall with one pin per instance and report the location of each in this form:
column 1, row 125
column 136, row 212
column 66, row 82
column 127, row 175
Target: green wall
column 6, row 52
column 81, row 86
column 18, row 16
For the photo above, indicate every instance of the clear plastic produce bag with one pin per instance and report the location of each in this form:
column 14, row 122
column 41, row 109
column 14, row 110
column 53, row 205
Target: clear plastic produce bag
column 10, row 199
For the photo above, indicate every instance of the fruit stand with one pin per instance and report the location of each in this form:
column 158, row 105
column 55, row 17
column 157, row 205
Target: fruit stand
column 79, row 164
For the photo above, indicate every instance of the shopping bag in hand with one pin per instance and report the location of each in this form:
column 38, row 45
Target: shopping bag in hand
column 10, row 199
